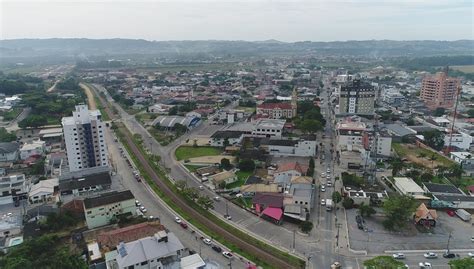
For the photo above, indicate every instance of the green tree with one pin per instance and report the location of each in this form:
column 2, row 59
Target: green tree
column 455, row 170
column 336, row 197
column 383, row 262
column 311, row 126
column 306, row 226
column 311, row 165
column 45, row 252
column 439, row 112
column 247, row 165
column 33, row 121
column 397, row 166
column 366, row 210
column 348, row 203
column 466, row 263
column 38, row 167
column 225, row 164
column 5, row 136
column 173, row 111
column 192, row 193
column 470, row 112
column 434, row 139
column 398, row 209
column 181, row 185
column 205, row 202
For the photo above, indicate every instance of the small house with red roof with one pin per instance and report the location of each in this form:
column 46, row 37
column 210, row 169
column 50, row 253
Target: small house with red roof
column 286, row 171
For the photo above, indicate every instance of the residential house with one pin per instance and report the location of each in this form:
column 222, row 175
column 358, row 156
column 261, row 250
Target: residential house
column 100, row 210
column 262, row 200
column 83, row 185
column 163, row 250
column 35, row 148
column 286, row 171
column 226, row 138
column 12, row 187
column 9, row 152
column 225, row 176
column 425, row 217
column 43, row 191
column 208, row 170
column 464, row 158
column 470, row 189
column 111, row 238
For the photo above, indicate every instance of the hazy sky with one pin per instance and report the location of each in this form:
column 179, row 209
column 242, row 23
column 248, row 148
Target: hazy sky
column 314, row 20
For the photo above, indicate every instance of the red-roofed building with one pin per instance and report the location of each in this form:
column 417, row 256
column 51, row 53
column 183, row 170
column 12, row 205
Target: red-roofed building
column 262, row 200
column 111, row 239
column 279, row 110
column 286, row 171
column 273, row 214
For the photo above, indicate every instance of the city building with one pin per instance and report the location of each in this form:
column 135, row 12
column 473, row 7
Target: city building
column 272, row 128
column 299, row 148
column 192, row 262
column 169, row 122
column 459, row 140
column 12, row 187
column 219, row 138
column 84, row 136
column 464, row 158
column 35, row 148
column 100, row 210
column 407, row 186
column 286, row 171
column 79, row 184
column 10, row 225
column 439, row 90
column 43, row 191
column 424, row 216
column 349, row 134
column 8, row 152
column 281, row 110
column 356, row 97
column 163, row 250
column 383, row 148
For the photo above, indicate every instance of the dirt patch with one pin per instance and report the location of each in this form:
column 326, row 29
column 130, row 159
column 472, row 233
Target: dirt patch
column 90, row 96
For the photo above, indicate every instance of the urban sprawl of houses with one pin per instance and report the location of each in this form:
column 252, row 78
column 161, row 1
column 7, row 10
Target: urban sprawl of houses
column 305, row 159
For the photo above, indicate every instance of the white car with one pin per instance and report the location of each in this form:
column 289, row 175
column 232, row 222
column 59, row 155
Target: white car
column 177, row 220
column 137, row 203
column 323, row 174
column 398, row 256
column 323, row 201
column 201, row 187
column 471, row 254
column 425, row 265
column 329, row 183
column 217, row 198
column 472, row 239
column 143, row 209
column 328, row 176
column 430, row 255
column 328, row 171
column 323, row 189
column 207, row 241
column 227, row 254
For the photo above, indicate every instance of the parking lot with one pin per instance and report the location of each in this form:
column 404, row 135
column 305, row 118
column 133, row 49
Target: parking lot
column 375, row 239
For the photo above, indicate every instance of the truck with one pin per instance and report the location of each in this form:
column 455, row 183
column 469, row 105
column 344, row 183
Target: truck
column 328, row 204
column 463, row 214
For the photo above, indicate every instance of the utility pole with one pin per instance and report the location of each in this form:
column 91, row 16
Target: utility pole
column 294, row 239
column 449, row 239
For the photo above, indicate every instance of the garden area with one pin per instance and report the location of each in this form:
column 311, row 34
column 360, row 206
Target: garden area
column 421, row 156
column 242, row 177
column 186, row 152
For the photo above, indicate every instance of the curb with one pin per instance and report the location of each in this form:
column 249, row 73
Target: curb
column 427, row 250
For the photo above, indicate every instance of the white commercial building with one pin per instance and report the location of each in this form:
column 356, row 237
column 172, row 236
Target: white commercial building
column 43, row 190
column 272, row 128
column 12, row 186
column 463, row 158
column 460, row 140
column 84, row 136
column 299, row 148
column 407, row 186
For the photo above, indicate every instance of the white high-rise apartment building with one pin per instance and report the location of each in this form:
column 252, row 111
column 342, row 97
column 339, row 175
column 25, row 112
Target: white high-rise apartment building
column 84, row 136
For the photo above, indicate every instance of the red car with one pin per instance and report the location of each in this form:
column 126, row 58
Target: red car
column 184, row 225
column 450, row 213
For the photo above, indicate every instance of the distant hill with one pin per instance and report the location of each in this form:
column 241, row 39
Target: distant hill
column 77, row 47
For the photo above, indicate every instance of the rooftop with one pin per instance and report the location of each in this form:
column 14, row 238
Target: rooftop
column 462, row 154
column 127, row 234
column 192, row 262
column 283, row 105
column 268, row 199
column 87, row 181
column 283, row 167
column 270, row 123
column 108, row 198
column 407, row 185
column 442, row 188
column 8, row 147
column 227, row 134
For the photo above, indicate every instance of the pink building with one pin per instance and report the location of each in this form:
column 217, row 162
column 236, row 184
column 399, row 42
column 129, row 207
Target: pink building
column 439, row 91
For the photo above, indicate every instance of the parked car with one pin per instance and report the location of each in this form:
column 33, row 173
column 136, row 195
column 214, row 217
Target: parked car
column 430, row 255
column 398, row 256
column 360, row 226
column 449, row 255
column 329, row 183
column 358, row 218
column 207, row 241
column 425, row 265
column 184, row 225
column 451, row 213
column 137, row 203
column 228, row 217
column 323, row 201
column 177, row 220
column 471, row 254
column 217, row 198
column 323, row 189
column 227, row 254
column 143, row 209
column 201, row 187
column 323, row 174
column 217, row 248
